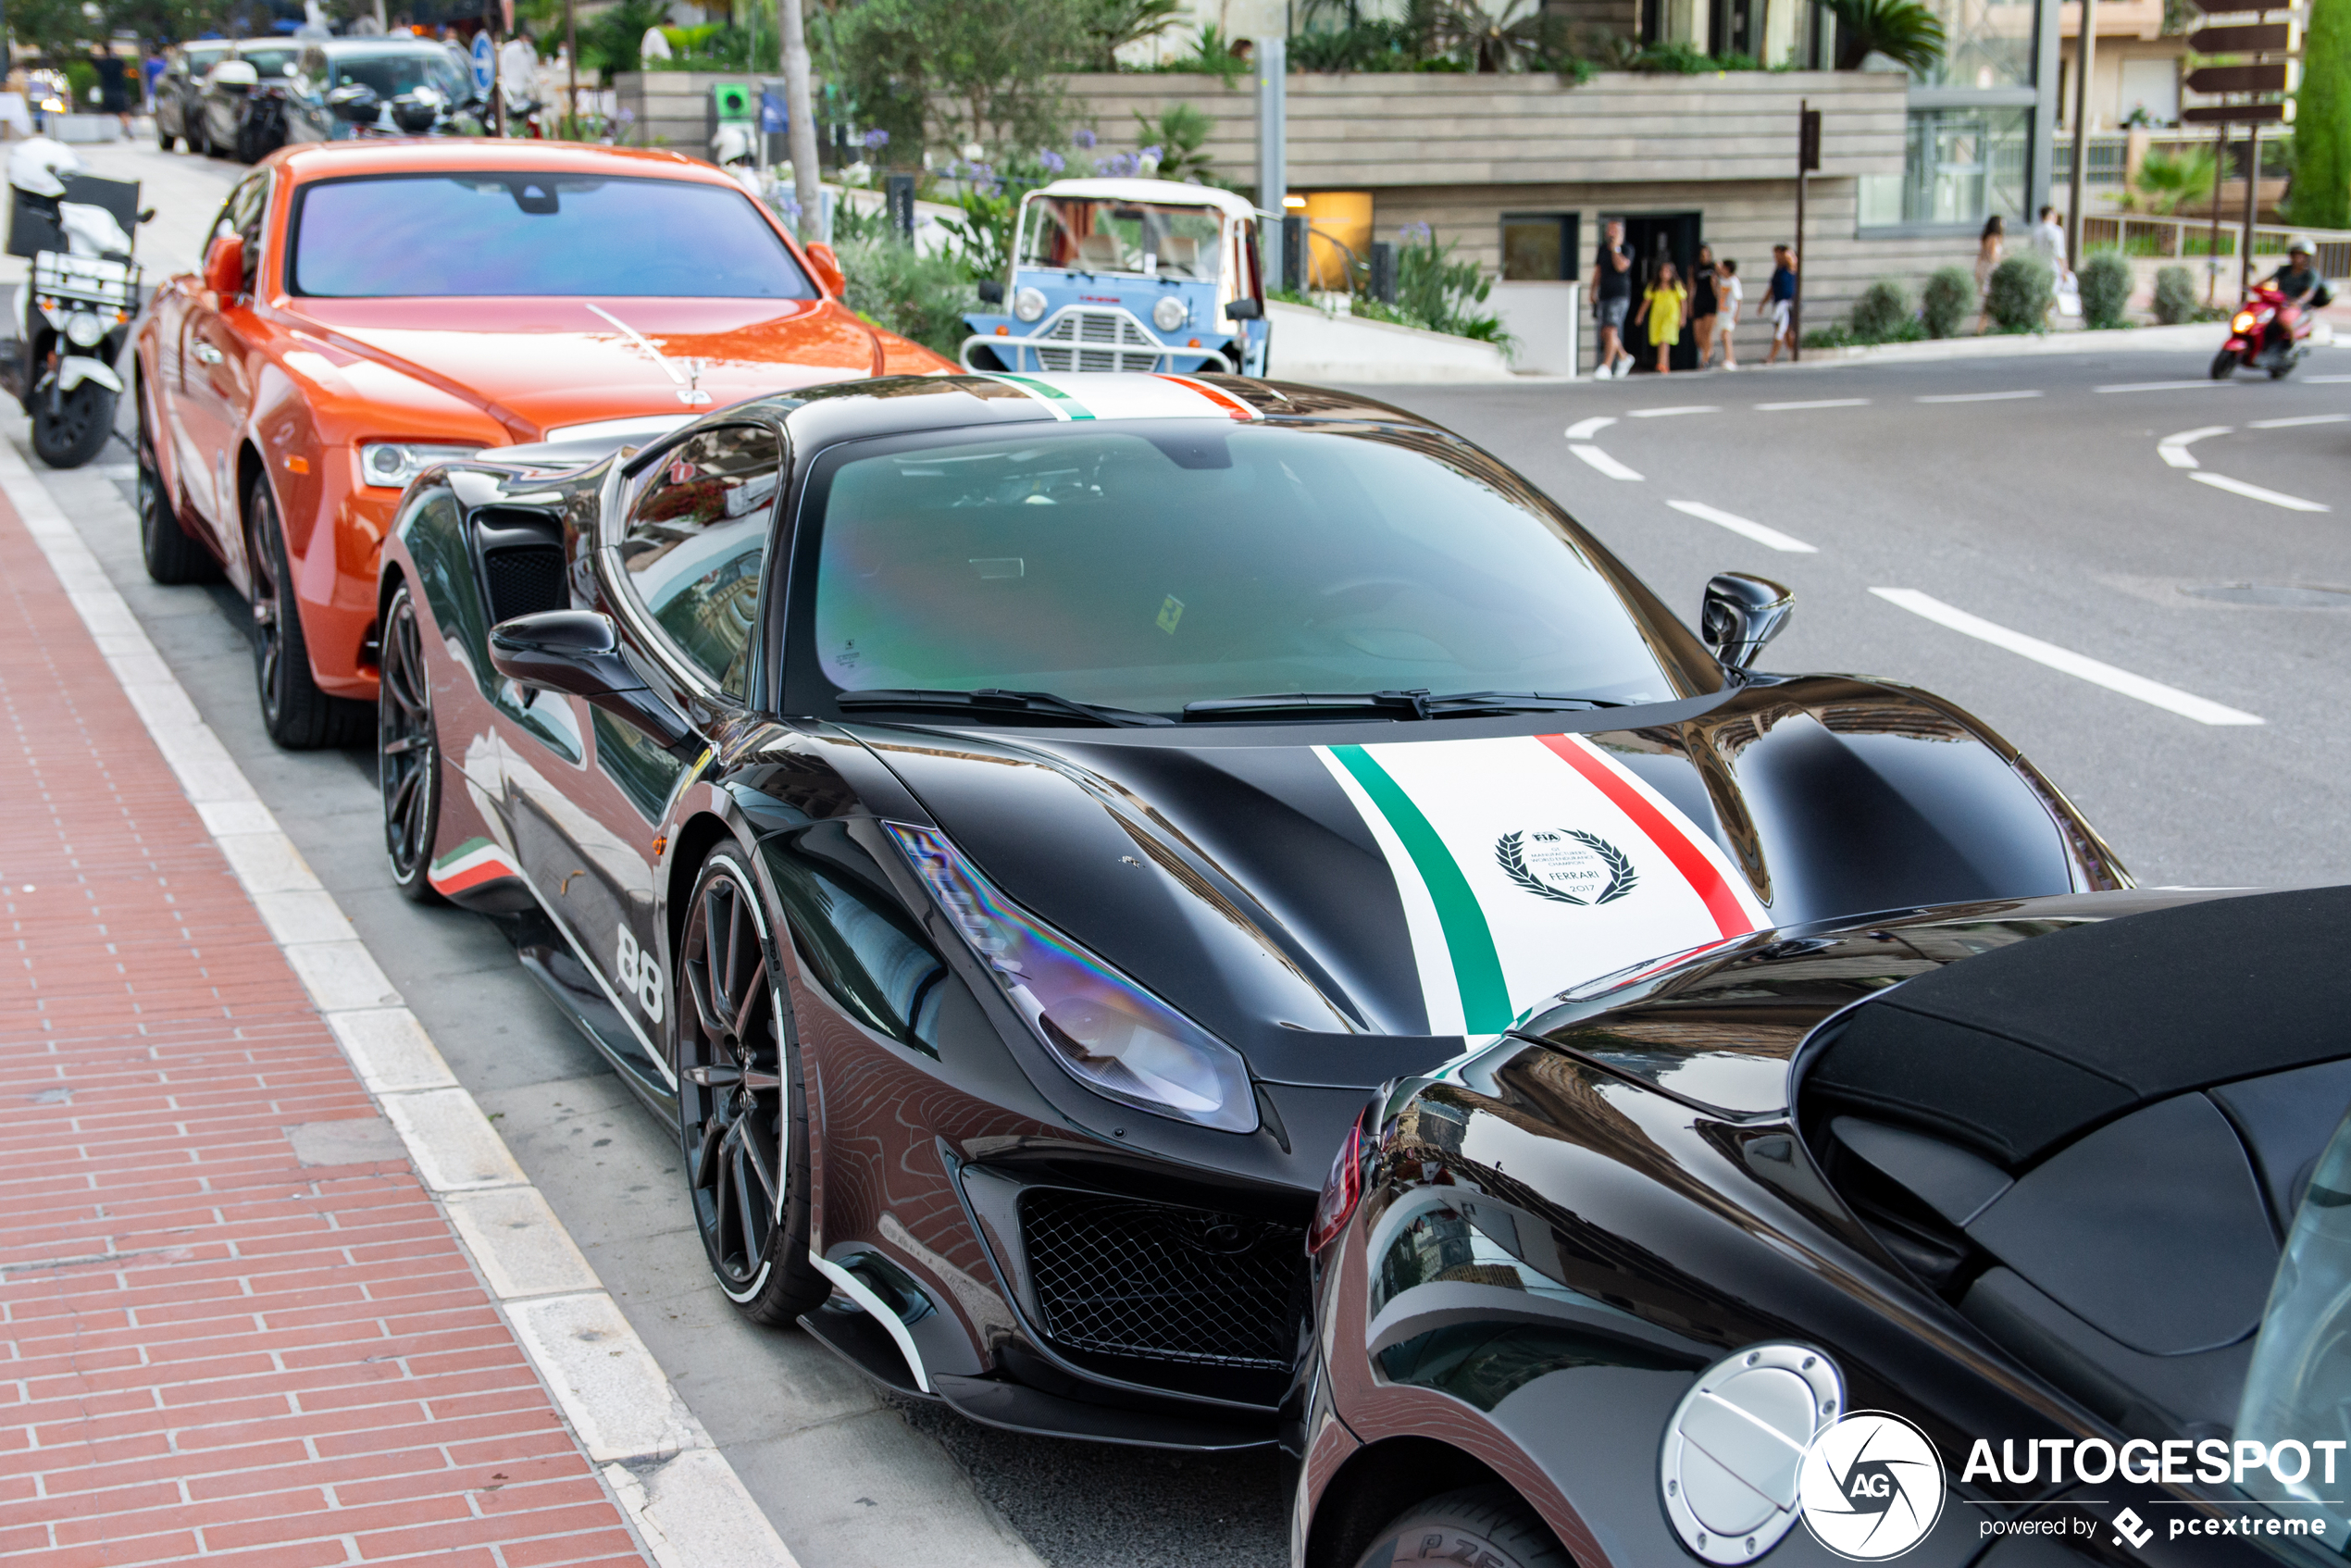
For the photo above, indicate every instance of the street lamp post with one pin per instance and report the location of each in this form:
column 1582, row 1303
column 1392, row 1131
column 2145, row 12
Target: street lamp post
column 802, row 133
column 2085, row 54
column 1271, row 56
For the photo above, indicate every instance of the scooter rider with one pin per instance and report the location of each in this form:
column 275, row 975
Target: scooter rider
column 2298, row 280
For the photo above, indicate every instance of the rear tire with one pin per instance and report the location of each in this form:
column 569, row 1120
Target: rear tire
column 171, row 556
column 407, row 751
column 743, row 1115
column 1487, row 1525
column 296, row 713
column 73, row 434
column 2224, row 364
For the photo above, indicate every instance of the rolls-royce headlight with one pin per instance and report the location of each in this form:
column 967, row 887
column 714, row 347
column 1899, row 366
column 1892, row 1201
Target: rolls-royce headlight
column 1028, row 304
column 390, row 465
column 1106, row 1031
column 1170, row 313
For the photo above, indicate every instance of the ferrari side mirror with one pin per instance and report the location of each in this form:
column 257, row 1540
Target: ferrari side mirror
column 224, row 265
column 1741, row 614
column 577, row 653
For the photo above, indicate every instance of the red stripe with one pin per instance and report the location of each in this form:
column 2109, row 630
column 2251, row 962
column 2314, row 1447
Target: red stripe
column 1730, row 916
column 1238, row 409
column 473, row 875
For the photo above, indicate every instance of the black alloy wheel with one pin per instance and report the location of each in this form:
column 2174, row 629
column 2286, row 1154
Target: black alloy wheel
column 741, row 1115
column 1487, row 1525
column 172, row 555
column 296, row 713
column 408, row 750
column 70, row 427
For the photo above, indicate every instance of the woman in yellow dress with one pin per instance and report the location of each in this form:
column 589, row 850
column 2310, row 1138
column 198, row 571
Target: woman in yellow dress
column 1663, row 307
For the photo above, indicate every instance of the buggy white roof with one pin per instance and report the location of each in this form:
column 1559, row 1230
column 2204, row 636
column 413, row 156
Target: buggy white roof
column 1168, row 193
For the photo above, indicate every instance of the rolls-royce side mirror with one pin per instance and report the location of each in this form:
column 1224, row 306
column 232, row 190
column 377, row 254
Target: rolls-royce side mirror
column 991, row 292
column 1245, row 310
column 1741, row 614
column 578, row 653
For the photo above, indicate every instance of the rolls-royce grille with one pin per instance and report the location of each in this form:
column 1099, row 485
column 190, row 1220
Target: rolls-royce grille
column 1144, row 1279
column 524, row 580
column 1096, row 340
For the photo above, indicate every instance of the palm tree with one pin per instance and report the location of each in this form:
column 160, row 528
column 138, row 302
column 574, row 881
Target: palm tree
column 1514, row 37
column 1903, row 31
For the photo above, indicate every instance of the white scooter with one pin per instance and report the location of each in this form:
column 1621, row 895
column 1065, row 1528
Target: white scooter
column 74, row 315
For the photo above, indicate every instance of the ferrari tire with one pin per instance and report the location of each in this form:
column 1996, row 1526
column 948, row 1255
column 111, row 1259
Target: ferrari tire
column 742, row 1112
column 171, row 556
column 2224, row 364
column 297, row 715
column 1485, row 1525
column 408, row 750
column 73, row 434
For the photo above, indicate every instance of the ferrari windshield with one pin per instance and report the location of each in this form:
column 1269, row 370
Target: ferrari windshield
column 480, row 234
column 1152, row 565
column 1152, row 238
column 394, row 71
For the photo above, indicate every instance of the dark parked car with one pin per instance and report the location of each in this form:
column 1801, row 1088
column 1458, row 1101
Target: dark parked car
column 179, row 93
column 1009, row 823
column 346, row 87
column 228, row 128
column 2016, row 1234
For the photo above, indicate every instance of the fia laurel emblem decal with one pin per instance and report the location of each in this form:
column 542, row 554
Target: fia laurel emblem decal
column 1569, row 866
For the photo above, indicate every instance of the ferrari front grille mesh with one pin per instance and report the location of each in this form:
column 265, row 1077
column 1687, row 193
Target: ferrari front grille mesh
column 1110, row 340
column 1127, row 1277
column 524, row 580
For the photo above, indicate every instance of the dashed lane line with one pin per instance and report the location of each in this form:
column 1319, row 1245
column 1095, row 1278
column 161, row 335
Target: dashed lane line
column 1975, row 397
column 2298, row 419
column 2163, row 386
column 1585, row 429
column 2255, row 493
column 2080, row 665
column 1814, row 403
column 1603, row 462
column 1668, row 413
column 2173, row 449
column 1764, row 535
column 2326, row 380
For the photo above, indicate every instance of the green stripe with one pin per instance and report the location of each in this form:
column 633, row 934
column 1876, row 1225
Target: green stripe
column 462, row 850
column 1477, row 968
column 1063, row 404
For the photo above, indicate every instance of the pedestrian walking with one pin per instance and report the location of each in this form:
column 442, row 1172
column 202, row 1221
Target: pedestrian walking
column 1783, row 302
column 1706, row 304
column 1661, row 307
column 1988, row 250
column 1611, row 298
column 114, row 87
column 1731, row 293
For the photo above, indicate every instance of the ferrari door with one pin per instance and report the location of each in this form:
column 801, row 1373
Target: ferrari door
column 207, row 398
column 683, row 585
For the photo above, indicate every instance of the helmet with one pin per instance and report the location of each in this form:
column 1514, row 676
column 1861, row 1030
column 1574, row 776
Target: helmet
column 2301, row 245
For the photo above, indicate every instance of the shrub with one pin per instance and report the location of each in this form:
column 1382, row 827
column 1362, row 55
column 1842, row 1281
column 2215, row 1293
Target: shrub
column 2106, row 285
column 2175, row 296
column 1883, row 312
column 2020, row 293
column 1947, row 300
column 901, row 291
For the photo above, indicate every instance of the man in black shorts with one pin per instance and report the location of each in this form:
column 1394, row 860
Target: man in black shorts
column 1613, row 299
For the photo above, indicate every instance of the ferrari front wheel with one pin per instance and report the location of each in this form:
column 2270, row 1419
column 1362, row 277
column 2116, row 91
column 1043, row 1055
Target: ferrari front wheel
column 743, row 1116
column 408, row 750
column 1486, row 1526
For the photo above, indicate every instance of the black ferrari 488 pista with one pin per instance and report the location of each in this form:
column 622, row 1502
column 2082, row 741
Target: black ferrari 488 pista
column 1009, row 823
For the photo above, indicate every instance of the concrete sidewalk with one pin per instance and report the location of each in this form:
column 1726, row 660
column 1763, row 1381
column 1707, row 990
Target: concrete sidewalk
column 234, row 1323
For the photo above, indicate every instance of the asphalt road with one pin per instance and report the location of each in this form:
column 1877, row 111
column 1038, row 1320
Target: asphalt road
column 2054, row 515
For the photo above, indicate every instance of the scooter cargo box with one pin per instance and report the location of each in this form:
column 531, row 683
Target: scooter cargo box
column 32, row 220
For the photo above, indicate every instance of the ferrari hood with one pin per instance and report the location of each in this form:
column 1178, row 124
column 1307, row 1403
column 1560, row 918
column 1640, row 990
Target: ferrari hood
column 1349, row 903
column 555, row 362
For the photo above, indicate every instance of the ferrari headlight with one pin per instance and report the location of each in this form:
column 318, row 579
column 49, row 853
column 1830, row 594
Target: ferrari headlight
column 1170, row 313
column 85, row 328
column 1028, row 304
column 1108, row 1032
column 390, row 465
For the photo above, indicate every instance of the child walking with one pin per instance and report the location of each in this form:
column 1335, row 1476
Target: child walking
column 1661, row 307
column 1731, row 295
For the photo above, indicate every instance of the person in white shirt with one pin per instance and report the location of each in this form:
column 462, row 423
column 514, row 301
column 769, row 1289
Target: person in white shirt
column 1729, row 294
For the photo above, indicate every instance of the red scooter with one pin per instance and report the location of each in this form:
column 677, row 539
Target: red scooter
column 2269, row 332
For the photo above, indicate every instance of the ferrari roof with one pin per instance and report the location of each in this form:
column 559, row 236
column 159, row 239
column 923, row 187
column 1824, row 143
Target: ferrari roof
column 2016, row 1051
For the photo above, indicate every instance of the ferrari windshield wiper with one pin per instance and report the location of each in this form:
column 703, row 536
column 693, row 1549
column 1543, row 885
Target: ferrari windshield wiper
column 1417, row 703
column 990, row 700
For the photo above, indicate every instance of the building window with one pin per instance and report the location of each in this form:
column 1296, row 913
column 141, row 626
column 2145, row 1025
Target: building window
column 1538, row 247
column 1987, row 44
column 1960, row 167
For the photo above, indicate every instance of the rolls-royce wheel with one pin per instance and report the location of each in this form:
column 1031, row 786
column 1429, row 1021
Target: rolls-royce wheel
column 1487, row 1525
column 408, row 750
column 297, row 715
column 171, row 556
column 741, row 1113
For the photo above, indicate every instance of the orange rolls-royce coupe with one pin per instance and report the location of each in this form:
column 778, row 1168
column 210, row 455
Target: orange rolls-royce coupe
column 367, row 310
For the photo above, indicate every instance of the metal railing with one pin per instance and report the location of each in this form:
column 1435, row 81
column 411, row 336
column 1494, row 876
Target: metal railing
column 2193, row 237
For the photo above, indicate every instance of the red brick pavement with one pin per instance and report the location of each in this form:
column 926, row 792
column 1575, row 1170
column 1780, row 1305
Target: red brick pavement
column 209, row 1351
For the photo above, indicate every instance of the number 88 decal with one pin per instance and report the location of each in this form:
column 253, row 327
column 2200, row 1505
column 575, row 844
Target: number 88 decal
column 640, row 974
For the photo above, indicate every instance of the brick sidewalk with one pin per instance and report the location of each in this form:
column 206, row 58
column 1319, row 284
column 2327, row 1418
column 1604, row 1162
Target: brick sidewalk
column 233, row 1326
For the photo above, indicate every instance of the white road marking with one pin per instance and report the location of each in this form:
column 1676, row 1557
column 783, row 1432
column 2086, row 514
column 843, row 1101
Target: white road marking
column 2326, row 380
column 1816, row 403
column 1604, row 463
column 2171, row 698
column 1663, row 413
column 1585, row 429
column 1976, row 397
column 2163, row 386
column 2299, row 419
column 1755, row 532
column 2255, row 493
column 2174, row 449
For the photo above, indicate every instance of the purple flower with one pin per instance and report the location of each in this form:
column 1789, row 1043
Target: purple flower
column 876, row 140
column 1084, row 138
column 1054, row 163
column 1416, row 233
column 1149, row 155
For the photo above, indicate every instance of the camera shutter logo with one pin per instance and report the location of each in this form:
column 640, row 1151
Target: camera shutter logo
column 1871, row 1488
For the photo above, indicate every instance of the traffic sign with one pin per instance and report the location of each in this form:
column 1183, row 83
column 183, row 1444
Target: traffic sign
column 2238, row 79
column 2233, row 114
column 485, row 69
column 1807, row 140
column 2254, row 38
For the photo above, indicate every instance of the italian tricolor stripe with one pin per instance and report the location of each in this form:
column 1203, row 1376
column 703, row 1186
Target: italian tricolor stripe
column 1527, row 865
column 469, row 865
column 1106, row 395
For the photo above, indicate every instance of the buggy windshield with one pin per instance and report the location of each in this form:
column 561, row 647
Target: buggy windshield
column 1149, row 239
